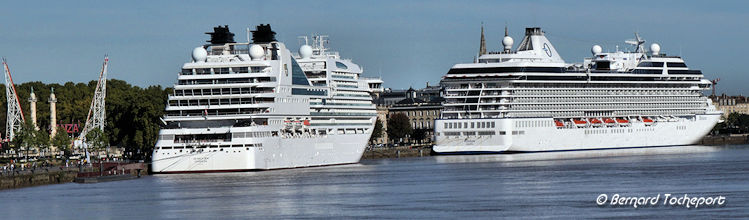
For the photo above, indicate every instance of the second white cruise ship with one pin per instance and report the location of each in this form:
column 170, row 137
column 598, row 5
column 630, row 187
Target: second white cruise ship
column 255, row 106
column 530, row 100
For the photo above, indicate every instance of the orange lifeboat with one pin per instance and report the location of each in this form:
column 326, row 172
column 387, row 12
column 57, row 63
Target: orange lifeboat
column 595, row 121
column 609, row 121
column 559, row 123
column 647, row 121
column 622, row 121
column 580, row 123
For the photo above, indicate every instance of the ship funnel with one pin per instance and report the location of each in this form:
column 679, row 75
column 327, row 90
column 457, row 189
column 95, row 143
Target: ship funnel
column 263, row 34
column 221, row 35
column 536, row 44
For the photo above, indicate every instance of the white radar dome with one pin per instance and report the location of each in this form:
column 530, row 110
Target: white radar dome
column 596, row 49
column 655, row 48
column 305, row 51
column 199, row 54
column 256, row 52
column 507, row 42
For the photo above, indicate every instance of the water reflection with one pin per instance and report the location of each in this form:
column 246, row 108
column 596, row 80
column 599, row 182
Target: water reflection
column 546, row 158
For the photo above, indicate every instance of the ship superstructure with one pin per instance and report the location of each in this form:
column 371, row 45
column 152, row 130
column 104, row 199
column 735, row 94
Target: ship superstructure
column 250, row 106
column 350, row 100
column 529, row 100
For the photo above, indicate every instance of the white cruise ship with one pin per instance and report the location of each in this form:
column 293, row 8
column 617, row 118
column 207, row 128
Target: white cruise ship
column 530, row 100
column 250, row 106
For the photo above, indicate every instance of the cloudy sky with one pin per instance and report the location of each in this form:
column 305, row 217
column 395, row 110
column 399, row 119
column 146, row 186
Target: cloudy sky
column 407, row 43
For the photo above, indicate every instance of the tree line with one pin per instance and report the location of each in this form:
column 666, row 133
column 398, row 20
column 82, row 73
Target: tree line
column 132, row 113
column 734, row 123
column 398, row 130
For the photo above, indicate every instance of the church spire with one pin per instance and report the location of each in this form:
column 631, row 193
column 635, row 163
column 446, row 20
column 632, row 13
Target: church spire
column 482, row 47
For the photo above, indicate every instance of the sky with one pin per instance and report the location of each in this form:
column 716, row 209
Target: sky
column 407, row 43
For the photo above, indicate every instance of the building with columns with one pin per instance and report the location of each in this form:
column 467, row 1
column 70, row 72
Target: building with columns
column 422, row 107
column 731, row 104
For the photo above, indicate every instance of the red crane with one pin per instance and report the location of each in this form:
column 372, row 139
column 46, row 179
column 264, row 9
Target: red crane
column 715, row 82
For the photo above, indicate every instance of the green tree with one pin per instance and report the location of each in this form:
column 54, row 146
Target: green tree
column 376, row 131
column 399, row 126
column 132, row 112
column 96, row 140
column 24, row 137
column 41, row 141
column 62, row 141
column 419, row 135
column 733, row 119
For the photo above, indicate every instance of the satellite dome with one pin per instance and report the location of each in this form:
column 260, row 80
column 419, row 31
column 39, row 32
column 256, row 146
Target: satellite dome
column 305, row 51
column 199, row 54
column 655, row 48
column 256, row 52
column 596, row 49
column 507, row 42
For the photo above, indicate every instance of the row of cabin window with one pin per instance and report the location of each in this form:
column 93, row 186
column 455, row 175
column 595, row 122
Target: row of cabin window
column 226, row 81
column 222, row 70
column 660, row 64
column 458, row 125
column 480, row 133
column 220, row 91
column 212, row 146
column 234, row 101
column 213, row 112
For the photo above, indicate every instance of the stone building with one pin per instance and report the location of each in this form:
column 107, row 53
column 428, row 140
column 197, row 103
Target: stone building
column 731, row 104
column 421, row 115
column 422, row 107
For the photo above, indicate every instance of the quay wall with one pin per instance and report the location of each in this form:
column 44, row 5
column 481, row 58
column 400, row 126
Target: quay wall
column 725, row 140
column 19, row 179
column 396, row 152
column 55, row 175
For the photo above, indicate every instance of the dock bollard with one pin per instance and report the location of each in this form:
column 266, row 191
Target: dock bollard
column 398, row 153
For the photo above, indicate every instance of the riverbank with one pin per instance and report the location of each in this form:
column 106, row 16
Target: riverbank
column 106, row 171
column 38, row 177
column 725, row 140
column 396, row 152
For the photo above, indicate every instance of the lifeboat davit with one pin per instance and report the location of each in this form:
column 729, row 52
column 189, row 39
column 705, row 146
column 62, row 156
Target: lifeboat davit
column 647, row 121
column 580, row 123
column 609, row 121
column 595, row 122
column 559, row 123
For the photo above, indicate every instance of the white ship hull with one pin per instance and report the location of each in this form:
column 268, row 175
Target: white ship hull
column 275, row 153
column 541, row 134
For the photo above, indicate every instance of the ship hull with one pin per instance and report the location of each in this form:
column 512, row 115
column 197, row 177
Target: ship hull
column 275, row 153
column 542, row 135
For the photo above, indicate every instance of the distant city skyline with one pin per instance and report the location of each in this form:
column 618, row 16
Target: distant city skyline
column 407, row 43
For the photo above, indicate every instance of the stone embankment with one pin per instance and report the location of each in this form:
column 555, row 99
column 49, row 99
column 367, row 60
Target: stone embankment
column 54, row 175
column 37, row 177
column 396, row 152
column 725, row 139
